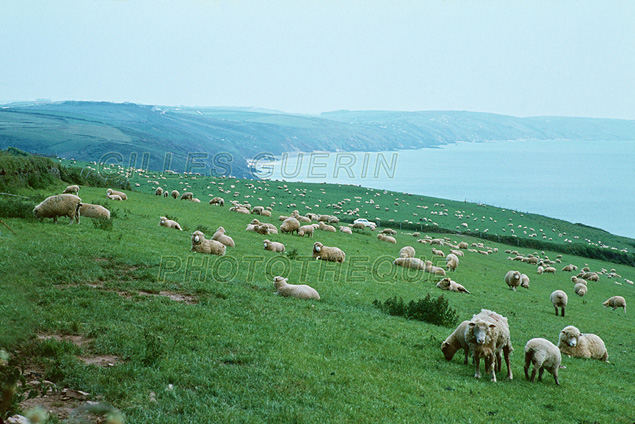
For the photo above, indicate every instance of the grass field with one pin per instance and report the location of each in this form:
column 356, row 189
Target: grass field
column 195, row 338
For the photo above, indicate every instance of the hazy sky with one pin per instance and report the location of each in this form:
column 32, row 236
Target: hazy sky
column 523, row 58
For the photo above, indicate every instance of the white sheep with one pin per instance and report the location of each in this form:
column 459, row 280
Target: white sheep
column 59, row 205
column 407, row 252
column 175, row 194
column 111, row 192
column 615, row 302
column 549, row 270
column 300, row 291
column 545, row 356
column 411, row 263
column 71, row 189
column 326, row 253
column 487, row 333
column 328, row 228
column 580, row 289
column 524, row 281
column 456, row 341
column 436, row 252
column 114, row 197
column 169, row 223
column 512, row 278
column 290, row 225
column 88, row 210
column 273, row 246
column 201, row 245
column 306, row 230
column 158, row 191
column 540, row 270
column 559, row 299
column 451, row 262
column 435, row 270
column 457, row 252
column 188, row 195
column 448, row 284
column 345, row 230
column 582, row 345
column 386, row 238
column 220, row 236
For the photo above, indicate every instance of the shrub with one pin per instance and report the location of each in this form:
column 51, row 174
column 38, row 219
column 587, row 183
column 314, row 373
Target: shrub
column 15, row 207
column 435, row 311
column 103, row 224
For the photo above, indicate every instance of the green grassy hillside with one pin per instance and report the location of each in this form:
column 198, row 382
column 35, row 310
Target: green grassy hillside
column 198, row 338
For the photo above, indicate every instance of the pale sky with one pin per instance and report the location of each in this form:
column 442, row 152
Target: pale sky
column 521, row 58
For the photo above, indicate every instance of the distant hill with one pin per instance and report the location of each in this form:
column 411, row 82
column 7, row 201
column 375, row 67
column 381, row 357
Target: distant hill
column 228, row 138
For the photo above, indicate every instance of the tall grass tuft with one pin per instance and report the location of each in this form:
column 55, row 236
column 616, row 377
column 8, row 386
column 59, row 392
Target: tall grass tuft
column 435, row 311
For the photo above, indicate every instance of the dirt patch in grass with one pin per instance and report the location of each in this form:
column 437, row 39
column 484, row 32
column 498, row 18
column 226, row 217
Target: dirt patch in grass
column 178, row 297
column 76, row 340
column 100, row 360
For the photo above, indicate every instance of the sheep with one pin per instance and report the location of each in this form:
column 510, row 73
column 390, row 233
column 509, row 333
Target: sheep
column 386, row 238
column 266, row 213
column 549, row 270
column 325, row 227
column 524, row 281
column 545, row 356
column 257, row 210
column 451, row 262
column 88, row 210
column 615, row 302
column 195, row 200
column 407, row 252
column 71, row 189
column 169, row 223
column 326, row 253
column 273, row 246
column 580, row 289
column 360, row 226
column 166, row 194
column 567, row 268
column 559, row 299
column 114, row 197
column 345, row 230
column 188, row 195
column 111, row 192
column 456, row 341
column 463, row 245
column 512, row 278
column 300, row 291
column 412, row 263
column 487, row 333
column 457, row 252
column 220, row 236
column 581, row 345
column 540, row 270
column 290, row 225
column 175, row 194
column 433, row 269
column 388, row 232
column 436, row 252
column 59, row 205
column 576, row 280
column 158, row 191
column 306, row 230
column 447, row 284
column 201, row 245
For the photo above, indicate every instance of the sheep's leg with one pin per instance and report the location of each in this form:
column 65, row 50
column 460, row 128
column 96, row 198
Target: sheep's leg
column 555, row 376
column 542, row 370
column 562, row 309
column 528, row 357
column 533, row 375
column 467, row 352
column 556, row 310
column 477, row 363
column 506, row 352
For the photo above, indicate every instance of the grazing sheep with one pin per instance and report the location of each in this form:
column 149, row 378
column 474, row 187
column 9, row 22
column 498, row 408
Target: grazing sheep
column 326, row 253
column 290, row 225
column 221, row 237
column 306, row 230
column 158, row 191
column 300, row 291
column 345, row 230
column 559, row 299
column 582, row 345
column 456, row 341
column 166, row 194
column 59, row 205
column 576, row 280
column 580, row 289
column 169, row 223
column 188, row 195
column 111, row 192
column 447, row 284
column 175, row 194
column 567, row 268
column 114, row 197
column 463, row 245
column 451, row 262
column 201, row 245
column 88, row 210
column 457, row 252
column 540, row 270
column 412, row 263
column 325, row 227
column 386, row 238
column 524, row 281
column 512, row 278
column 273, row 246
column 71, row 189
column 545, row 356
column 437, row 252
column 388, row 231
column 407, row 252
column 257, row 210
column 487, row 333
column 549, row 270
column 615, row 302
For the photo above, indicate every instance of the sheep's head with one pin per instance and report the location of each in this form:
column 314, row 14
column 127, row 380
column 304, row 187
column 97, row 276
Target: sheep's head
column 279, row 281
column 481, row 330
column 445, row 283
column 220, row 230
column 448, row 350
column 109, row 191
column 197, row 237
column 317, row 247
column 162, row 221
column 266, row 243
column 570, row 335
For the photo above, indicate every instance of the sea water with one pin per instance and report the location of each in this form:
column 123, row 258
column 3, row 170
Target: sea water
column 591, row 182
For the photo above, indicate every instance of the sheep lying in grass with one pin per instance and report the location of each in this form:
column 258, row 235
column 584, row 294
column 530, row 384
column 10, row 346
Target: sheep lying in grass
column 580, row 289
column 545, row 356
column 169, row 223
column 437, row 252
column 201, row 245
column 407, row 252
column 512, row 278
column 387, row 231
column 71, row 189
column 300, row 291
column 448, row 284
column 615, row 302
column 411, row 263
column 487, row 333
column 290, row 225
column 559, row 299
column 582, row 345
column 524, row 281
column 59, row 205
column 386, row 238
column 451, row 262
column 88, row 210
column 456, row 341
column 111, row 192
column 457, row 252
column 273, row 246
column 306, row 230
column 326, row 227
column 345, row 230
column 576, row 280
column 175, row 194
column 114, row 197
column 220, row 236
column 435, row 270
column 326, row 253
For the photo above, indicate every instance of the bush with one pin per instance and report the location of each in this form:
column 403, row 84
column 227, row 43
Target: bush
column 435, row 311
column 103, row 224
column 15, row 207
